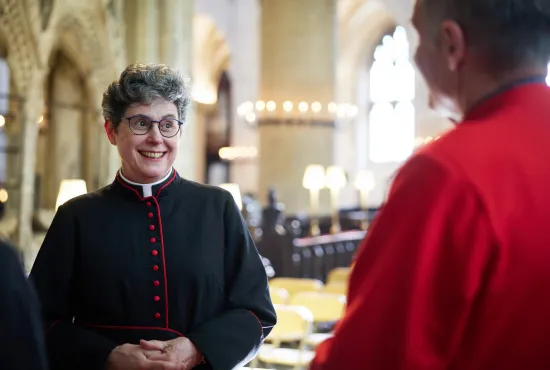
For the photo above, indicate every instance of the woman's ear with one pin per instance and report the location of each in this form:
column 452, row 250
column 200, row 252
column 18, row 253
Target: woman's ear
column 110, row 131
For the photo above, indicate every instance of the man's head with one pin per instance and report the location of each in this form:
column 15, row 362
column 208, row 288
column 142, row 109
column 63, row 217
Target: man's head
column 467, row 46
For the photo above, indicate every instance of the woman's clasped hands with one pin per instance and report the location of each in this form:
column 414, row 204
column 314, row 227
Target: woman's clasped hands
column 175, row 354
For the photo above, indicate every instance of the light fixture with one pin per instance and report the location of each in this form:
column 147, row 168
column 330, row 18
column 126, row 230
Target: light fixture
column 364, row 182
column 3, row 195
column 300, row 112
column 335, row 180
column 235, row 192
column 314, row 180
column 69, row 189
column 231, row 153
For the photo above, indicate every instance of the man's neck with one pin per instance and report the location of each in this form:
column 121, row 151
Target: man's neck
column 483, row 86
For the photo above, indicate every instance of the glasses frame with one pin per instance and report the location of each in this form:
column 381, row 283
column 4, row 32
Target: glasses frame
column 180, row 123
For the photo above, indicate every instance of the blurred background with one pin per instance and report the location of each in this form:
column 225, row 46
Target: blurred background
column 303, row 109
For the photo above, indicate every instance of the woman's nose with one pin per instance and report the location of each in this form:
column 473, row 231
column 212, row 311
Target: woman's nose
column 154, row 134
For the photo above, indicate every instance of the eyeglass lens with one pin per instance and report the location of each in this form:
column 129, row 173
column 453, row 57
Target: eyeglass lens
column 142, row 125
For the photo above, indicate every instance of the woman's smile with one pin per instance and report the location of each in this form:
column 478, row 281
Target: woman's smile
column 152, row 155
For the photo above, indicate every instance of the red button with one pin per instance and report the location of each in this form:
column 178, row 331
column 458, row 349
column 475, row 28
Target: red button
column 155, row 268
column 153, row 240
column 156, row 283
column 157, row 315
column 157, row 298
column 154, row 253
column 151, row 227
column 150, row 215
column 148, row 204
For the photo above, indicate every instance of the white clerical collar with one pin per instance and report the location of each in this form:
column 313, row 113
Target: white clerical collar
column 147, row 189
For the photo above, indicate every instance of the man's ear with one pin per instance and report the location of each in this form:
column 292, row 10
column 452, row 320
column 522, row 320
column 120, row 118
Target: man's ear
column 454, row 44
column 110, row 131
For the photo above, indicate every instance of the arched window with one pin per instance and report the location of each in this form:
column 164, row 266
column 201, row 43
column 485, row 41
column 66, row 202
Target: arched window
column 392, row 89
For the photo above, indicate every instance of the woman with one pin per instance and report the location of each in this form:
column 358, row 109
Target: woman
column 20, row 312
column 152, row 271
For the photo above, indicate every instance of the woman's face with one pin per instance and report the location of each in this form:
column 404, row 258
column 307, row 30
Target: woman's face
column 145, row 158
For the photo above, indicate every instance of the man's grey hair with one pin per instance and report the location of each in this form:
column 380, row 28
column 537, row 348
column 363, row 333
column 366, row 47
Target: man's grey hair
column 511, row 33
column 142, row 83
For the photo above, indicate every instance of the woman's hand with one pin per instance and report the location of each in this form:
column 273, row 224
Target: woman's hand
column 180, row 351
column 130, row 356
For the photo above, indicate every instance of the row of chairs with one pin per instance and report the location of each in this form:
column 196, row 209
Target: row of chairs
column 282, row 289
column 304, row 307
column 293, row 340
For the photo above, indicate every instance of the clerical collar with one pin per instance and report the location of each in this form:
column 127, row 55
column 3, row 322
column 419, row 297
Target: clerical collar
column 482, row 103
column 146, row 189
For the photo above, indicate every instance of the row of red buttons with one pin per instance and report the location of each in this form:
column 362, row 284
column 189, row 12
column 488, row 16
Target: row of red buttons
column 154, row 252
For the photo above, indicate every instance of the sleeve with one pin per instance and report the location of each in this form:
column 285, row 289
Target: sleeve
column 234, row 337
column 22, row 344
column 416, row 275
column 68, row 346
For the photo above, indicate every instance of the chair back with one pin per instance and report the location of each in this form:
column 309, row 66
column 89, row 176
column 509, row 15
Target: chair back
column 294, row 323
column 336, row 288
column 278, row 295
column 339, row 275
column 296, row 285
column 324, row 307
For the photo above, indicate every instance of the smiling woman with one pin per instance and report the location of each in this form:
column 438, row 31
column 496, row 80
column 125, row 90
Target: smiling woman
column 152, row 270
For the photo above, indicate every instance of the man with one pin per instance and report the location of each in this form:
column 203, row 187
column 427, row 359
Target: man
column 21, row 334
column 455, row 271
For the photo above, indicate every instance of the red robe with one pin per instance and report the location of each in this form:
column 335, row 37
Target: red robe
column 455, row 271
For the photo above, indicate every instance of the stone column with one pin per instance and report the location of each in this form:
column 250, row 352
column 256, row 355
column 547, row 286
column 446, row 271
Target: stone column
column 31, row 111
column 142, row 39
column 175, row 49
column 298, row 49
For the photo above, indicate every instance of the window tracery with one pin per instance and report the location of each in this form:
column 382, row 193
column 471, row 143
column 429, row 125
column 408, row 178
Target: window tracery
column 392, row 90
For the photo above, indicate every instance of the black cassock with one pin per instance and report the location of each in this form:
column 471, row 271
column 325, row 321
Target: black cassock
column 116, row 267
column 21, row 330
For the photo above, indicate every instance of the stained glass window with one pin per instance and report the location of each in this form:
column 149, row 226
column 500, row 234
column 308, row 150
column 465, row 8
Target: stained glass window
column 392, row 90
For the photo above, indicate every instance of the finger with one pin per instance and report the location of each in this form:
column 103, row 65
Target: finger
column 148, row 353
column 162, row 357
column 152, row 345
column 160, row 365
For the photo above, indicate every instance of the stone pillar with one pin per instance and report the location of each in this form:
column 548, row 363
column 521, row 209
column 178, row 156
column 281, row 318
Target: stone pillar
column 161, row 31
column 142, row 38
column 175, row 49
column 298, row 49
column 32, row 109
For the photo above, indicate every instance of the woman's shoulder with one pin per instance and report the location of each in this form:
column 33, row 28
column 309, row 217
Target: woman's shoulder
column 100, row 196
column 202, row 191
column 199, row 188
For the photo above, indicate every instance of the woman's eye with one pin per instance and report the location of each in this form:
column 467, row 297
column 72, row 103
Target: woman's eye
column 167, row 125
column 142, row 123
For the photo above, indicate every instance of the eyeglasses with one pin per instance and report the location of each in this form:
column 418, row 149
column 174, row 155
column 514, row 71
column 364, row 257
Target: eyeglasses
column 141, row 125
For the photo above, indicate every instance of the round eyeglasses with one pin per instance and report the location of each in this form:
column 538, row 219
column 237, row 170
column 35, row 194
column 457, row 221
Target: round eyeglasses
column 141, row 125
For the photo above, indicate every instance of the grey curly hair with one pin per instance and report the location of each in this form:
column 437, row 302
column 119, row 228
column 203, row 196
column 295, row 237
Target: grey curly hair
column 142, row 83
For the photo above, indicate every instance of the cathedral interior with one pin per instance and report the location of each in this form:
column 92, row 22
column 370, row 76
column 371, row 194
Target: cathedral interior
column 302, row 109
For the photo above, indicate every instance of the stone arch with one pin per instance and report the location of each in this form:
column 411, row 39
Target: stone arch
column 20, row 45
column 70, row 142
column 218, row 129
column 21, row 56
column 362, row 24
column 361, row 28
column 211, row 58
column 61, row 139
